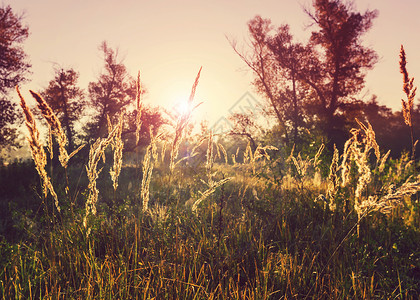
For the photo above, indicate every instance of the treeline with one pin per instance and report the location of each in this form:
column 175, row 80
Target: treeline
column 83, row 113
column 311, row 88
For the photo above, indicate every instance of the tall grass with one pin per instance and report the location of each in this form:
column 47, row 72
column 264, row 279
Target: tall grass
column 245, row 224
column 410, row 92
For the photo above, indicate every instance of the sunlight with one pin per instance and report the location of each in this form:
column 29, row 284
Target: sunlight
column 181, row 106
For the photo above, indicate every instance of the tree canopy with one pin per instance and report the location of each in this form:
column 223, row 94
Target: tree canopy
column 14, row 68
column 114, row 90
column 66, row 100
column 316, row 83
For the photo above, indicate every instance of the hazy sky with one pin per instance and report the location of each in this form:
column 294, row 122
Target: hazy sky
column 168, row 41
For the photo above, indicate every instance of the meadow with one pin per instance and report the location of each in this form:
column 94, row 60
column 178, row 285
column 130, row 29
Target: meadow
column 191, row 218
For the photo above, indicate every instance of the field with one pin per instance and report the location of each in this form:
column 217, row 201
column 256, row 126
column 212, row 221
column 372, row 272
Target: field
column 197, row 217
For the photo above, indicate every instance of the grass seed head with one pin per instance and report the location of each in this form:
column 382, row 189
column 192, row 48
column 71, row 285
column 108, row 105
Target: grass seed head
column 37, row 150
column 55, row 126
column 408, row 88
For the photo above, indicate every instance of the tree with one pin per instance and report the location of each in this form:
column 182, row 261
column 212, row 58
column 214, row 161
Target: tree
column 114, row 91
column 291, row 58
column 342, row 59
column 13, row 69
column 151, row 118
column 269, row 80
column 245, row 126
column 8, row 116
column 315, row 81
column 66, row 100
column 389, row 129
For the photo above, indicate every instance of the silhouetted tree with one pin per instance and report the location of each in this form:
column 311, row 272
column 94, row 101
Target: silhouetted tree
column 317, row 81
column 342, row 60
column 8, row 116
column 66, row 100
column 151, row 117
column 114, row 91
column 278, row 85
column 388, row 127
column 292, row 59
column 245, row 126
column 13, row 69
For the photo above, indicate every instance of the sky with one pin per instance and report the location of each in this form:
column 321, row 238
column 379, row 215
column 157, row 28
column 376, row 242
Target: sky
column 168, row 41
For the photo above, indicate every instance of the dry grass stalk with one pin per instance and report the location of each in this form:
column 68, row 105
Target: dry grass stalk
column 410, row 91
column 383, row 161
column 38, row 154
column 55, row 125
column 333, row 179
column 209, row 192
column 163, row 151
column 211, row 183
column 117, row 145
column 217, row 150
column 56, row 129
column 148, row 164
column 248, row 154
column 302, row 165
column 316, row 159
column 357, row 149
column 139, row 106
column 50, row 142
column 253, row 157
column 97, row 151
column 393, row 198
column 224, row 153
column 182, row 123
column 159, row 214
column 193, row 152
column 210, row 159
column 408, row 88
column 234, row 159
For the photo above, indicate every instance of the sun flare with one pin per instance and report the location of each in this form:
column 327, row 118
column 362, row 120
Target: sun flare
column 181, row 106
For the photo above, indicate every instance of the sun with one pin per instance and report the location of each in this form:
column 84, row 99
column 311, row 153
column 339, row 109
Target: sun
column 181, row 105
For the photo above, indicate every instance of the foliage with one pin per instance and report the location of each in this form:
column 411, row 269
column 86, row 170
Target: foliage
column 13, row 70
column 113, row 92
column 316, row 82
column 13, row 64
column 67, row 101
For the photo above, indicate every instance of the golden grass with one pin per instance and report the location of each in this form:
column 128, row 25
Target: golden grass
column 38, row 154
column 96, row 153
column 55, row 126
column 333, row 179
column 212, row 185
column 139, row 106
column 117, row 145
column 393, row 198
column 408, row 88
column 149, row 160
column 160, row 255
column 181, row 124
column 410, row 91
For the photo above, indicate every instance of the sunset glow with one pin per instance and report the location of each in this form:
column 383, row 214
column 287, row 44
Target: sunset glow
column 169, row 41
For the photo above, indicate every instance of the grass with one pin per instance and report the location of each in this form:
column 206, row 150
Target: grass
column 214, row 224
